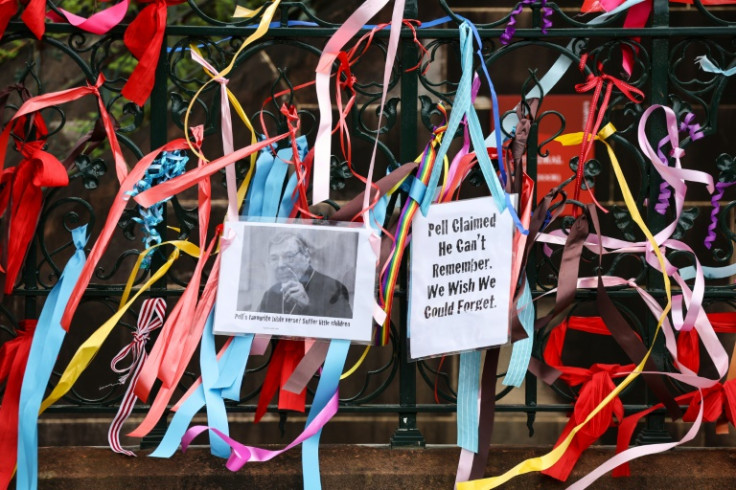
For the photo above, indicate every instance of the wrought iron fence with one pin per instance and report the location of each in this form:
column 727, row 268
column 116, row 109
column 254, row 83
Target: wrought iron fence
column 664, row 69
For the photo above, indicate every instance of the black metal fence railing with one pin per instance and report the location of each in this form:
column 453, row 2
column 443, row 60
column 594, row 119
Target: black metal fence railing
column 664, row 69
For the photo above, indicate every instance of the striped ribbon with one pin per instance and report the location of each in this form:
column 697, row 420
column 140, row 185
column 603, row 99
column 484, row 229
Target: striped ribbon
column 151, row 318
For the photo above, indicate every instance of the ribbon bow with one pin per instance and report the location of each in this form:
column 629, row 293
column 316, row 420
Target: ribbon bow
column 22, row 192
column 597, row 383
column 13, row 359
column 151, row 318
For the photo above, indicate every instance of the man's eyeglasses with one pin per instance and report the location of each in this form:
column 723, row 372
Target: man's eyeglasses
column 288, row 258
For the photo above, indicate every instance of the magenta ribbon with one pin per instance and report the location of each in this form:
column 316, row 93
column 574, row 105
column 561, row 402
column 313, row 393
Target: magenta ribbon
column 151, row 318
column 241, row 453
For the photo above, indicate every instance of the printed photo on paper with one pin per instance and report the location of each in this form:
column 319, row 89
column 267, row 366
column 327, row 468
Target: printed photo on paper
column 296, row 280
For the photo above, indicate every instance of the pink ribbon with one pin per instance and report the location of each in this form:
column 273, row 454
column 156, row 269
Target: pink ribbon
column 151, row 317
column 99, row 23
column 241, row 453
column 349, row 28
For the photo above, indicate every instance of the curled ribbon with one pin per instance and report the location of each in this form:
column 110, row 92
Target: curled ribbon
column 151, row 318
column 510, row 30
column 695, row 132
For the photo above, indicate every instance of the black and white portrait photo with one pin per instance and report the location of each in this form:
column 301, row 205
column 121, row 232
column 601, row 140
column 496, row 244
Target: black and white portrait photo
column 296, row 280
column 295, row 286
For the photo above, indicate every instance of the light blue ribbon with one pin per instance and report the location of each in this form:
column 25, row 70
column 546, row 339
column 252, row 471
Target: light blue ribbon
column 289, row 198
column 521, row 352
column 220, row 379
column 45, row 347
column 467, row 400
column 463, row 107
column 708, row 66
column 328, row 383
column 254, row 199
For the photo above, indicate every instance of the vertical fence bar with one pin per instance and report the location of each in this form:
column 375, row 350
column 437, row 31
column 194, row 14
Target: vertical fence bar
column 530, row 382
column 159, row 137
column 654, row 431
column 407, row 434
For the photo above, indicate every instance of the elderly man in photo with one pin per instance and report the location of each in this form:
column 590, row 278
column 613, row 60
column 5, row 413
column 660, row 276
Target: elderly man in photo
column 300, row 289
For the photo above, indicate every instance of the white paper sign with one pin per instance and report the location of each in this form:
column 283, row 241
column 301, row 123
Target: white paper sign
column 296, row 280
column 460, row 278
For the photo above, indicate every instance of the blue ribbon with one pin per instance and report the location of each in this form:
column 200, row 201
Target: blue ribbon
column 467, row 400
column 328, row 383
column 45, row 347
column 521, row 352
column 708, row 66
column 220, row 379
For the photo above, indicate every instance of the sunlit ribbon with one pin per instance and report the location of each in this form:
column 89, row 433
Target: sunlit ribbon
column 151, row 318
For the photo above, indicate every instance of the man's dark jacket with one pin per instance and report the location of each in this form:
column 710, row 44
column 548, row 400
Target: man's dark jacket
column 327, row 297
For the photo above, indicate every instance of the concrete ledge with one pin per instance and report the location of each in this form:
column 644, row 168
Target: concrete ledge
column 369, row 467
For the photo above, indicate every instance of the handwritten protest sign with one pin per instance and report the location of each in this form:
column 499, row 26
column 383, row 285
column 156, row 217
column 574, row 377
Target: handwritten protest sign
column 460, row 278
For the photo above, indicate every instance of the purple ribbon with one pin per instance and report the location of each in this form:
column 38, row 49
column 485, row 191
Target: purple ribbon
column 714, row 200
column 696, row 132
column 511, row 26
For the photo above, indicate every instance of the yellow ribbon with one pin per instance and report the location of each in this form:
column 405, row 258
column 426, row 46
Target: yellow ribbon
column 260, row 31
column 87, row 351
column 548, row 460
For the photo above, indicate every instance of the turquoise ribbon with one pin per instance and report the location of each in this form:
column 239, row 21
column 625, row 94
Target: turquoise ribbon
column 463, row 107
column 521, row 352
column 45, row 347
column 220, row 379
column 254, row 199
column 289, row 198
column 328, row 384
column 467, row 400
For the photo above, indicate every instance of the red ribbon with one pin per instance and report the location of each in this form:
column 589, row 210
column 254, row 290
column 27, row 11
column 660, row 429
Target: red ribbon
column 719, row 400
column 597, row 83
column 33, row 15
column 144, row 37
column 13, row 360
column 286, row 357
column 597, row 383
column 22, row 192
